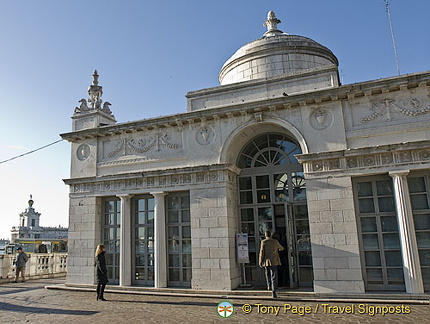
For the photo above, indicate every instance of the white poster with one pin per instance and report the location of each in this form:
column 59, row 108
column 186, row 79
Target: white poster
column 242, row 247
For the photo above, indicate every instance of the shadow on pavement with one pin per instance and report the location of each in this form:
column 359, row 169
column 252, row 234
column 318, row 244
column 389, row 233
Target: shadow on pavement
column 182, row 303
column 42, row 310
column 13, row 290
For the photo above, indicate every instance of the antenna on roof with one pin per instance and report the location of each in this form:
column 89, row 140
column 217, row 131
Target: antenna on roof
column 387, row 9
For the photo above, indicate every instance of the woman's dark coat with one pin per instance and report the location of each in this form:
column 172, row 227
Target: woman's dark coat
column 101, row 269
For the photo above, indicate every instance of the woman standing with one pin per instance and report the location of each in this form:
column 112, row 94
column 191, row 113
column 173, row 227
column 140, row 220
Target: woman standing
column 102, row 278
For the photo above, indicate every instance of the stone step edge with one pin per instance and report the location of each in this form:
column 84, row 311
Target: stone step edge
column 260, row 294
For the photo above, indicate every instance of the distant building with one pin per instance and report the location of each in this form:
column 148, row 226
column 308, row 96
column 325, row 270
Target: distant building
column 3, row 244
column 29, row 227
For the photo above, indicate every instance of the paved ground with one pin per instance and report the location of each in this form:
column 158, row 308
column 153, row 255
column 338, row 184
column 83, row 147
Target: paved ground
column 30, row 302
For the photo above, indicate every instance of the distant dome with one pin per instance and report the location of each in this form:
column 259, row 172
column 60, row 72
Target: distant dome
column 275, row 54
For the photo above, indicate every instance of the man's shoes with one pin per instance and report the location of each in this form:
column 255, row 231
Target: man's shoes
column 14, row 281
column 274, row 295
column 102, row 299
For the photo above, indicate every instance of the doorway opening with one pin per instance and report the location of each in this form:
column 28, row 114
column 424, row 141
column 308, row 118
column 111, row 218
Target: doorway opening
column 272, row 197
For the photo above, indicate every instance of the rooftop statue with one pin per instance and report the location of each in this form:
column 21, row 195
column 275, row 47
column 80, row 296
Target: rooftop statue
column 95, row 91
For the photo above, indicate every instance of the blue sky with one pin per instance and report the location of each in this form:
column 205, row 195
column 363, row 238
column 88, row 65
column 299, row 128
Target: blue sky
column 149, row 54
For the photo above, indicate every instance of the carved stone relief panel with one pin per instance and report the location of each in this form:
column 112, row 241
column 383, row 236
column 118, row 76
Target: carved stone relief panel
column 380, row 159
column 151, row 147
column 200, row 177
column 205, row 135
column 148, row 183
column 386, row 110
column 321, row 119
column 84, row 123
column 334, row 164
column 83, row 152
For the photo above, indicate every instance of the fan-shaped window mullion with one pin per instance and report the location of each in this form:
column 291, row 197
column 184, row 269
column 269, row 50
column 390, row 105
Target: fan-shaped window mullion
column 269, row 149
column 280, row 155
column 261, row 157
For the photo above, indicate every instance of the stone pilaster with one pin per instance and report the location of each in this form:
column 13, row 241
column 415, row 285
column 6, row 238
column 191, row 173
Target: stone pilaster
column 408, row 242
column 333, row 229
column 160, row 250
column 125, row 241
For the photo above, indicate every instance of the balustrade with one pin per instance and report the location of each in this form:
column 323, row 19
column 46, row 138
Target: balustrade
column 39, row 265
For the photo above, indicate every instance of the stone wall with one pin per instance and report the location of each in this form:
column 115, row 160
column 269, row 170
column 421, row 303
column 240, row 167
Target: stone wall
column 84, row 235
column 213, row 224
column 333, row 228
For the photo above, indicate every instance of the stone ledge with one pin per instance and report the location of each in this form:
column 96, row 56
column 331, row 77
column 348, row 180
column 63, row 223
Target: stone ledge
column 393, row 298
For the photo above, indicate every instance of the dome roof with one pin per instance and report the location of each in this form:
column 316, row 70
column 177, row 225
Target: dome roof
column 275, row 54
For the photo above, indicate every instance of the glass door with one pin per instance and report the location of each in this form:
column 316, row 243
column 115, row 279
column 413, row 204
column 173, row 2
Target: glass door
column 111, row 236
column 179, row 240
column 302, row 245
column 272, row 197
column 287, row 219
column 143, row 242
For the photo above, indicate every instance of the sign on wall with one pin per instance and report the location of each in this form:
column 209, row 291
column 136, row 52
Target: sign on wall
column 242, row 247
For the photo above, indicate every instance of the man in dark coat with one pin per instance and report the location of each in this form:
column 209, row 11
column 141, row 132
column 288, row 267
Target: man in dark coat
column 269, row 259
column 20, row 262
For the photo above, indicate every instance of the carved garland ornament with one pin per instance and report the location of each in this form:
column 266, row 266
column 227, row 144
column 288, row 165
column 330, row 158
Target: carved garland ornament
column 386, row 106
column 142, row 145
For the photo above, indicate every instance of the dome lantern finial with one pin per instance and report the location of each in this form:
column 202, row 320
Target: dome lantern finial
column 30, row 202
column 272, row 24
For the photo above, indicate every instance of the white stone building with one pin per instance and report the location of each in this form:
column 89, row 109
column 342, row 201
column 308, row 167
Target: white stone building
column 29, row 227
column 341, row 170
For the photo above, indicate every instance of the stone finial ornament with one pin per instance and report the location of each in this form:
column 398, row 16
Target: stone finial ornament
column 95, row 91
column 94, row 102
column 95, row 78
column 272, row 24
column 30, row 202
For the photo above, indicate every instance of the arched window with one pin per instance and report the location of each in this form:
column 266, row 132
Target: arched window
column 269, row 150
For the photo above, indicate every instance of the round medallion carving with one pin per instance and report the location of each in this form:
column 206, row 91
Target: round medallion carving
column 205, row 135
column 83, row 152
column 321, row 119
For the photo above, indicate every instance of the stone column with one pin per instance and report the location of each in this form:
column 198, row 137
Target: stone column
column 160, row 249
column 125, row 241
column 408, row 242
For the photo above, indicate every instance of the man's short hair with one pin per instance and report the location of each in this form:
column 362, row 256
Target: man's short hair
column 19, row 249
column 267, row 234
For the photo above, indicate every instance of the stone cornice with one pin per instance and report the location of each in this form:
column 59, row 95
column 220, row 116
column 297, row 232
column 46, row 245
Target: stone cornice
column 345, row 92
